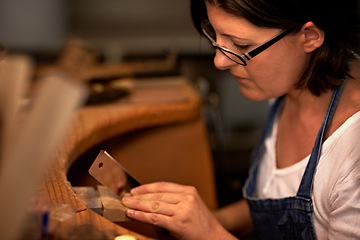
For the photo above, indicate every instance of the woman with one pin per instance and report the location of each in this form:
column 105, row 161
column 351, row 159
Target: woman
column 304, row 182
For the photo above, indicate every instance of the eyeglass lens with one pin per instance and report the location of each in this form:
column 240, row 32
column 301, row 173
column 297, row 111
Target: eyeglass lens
column 211, row 33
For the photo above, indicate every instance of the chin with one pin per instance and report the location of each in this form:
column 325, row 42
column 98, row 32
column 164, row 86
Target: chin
column 253, row 96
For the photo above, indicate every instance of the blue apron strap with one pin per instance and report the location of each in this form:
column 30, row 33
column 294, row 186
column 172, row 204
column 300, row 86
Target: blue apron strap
column 268, row 124
column 250, row 182
column 306, row 184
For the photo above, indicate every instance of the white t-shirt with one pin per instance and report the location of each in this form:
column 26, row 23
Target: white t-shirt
column 336, row 191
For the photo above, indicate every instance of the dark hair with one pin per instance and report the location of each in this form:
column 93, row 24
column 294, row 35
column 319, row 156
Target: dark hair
column 338, row 19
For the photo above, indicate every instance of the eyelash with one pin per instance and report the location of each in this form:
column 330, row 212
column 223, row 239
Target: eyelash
column 242, row 47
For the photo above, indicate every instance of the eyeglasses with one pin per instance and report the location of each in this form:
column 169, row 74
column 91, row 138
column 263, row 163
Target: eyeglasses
column 241, row 59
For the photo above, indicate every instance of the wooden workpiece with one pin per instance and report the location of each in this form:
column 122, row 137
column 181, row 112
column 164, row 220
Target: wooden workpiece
column 161, row 102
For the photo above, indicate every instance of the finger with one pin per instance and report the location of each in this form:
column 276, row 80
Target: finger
column 159, row 187
column 155, row 219
column 149, row 206
column 172, row 198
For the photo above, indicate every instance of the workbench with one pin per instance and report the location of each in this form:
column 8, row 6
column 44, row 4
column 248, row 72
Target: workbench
column 157, row 132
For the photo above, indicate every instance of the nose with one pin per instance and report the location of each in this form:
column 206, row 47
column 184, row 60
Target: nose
column 222, row 62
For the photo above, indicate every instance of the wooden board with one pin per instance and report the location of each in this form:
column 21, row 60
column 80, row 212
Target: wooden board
column 113, row 209
column 90, row 197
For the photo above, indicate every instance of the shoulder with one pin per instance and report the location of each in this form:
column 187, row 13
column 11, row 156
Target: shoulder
column 340, row 160
column 349, row 103
column 352, row 90
column 342, row 150
column 336, row 192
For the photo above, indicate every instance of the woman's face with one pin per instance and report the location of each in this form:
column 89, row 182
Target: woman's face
column 270, row 74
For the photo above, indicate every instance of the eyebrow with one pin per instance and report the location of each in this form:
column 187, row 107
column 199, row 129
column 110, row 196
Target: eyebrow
column 232, row 37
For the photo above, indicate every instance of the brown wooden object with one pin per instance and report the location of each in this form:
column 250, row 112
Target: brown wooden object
column 154, row 104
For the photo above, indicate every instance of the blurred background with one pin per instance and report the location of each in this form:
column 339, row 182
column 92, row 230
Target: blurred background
column 124, row 30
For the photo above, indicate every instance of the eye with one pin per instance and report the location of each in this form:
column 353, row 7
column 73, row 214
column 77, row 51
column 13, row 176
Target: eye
column 242, row 47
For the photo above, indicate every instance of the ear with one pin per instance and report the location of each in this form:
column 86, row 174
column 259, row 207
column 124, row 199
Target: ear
column 314, row 37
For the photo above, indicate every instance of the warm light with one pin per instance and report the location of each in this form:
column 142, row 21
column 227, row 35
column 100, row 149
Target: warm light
column 125, row 237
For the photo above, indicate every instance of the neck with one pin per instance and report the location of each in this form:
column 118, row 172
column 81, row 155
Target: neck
column 301, row 105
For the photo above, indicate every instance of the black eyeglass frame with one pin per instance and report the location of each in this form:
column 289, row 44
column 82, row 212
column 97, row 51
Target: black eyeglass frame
column 245, row 57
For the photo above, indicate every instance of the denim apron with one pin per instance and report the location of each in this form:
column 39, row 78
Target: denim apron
column 291, row 217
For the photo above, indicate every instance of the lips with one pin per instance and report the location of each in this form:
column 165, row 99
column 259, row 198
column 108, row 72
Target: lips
column 242, row 80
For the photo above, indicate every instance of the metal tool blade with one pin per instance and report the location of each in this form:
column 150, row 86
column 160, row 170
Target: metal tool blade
column 112, row 174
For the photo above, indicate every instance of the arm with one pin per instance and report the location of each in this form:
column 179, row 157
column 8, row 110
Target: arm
column 177, row 208
column 236, row 217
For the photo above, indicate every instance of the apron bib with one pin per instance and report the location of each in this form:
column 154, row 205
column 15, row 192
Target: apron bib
column 291, row 217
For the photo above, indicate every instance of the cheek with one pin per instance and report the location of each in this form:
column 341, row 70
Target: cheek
column 274, row 78
column 283, row 69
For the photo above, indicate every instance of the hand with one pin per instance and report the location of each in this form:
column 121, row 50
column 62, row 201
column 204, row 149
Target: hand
column 177, row 208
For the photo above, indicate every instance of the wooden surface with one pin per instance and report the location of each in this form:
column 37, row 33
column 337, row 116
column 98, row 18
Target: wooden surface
column 153, row 103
